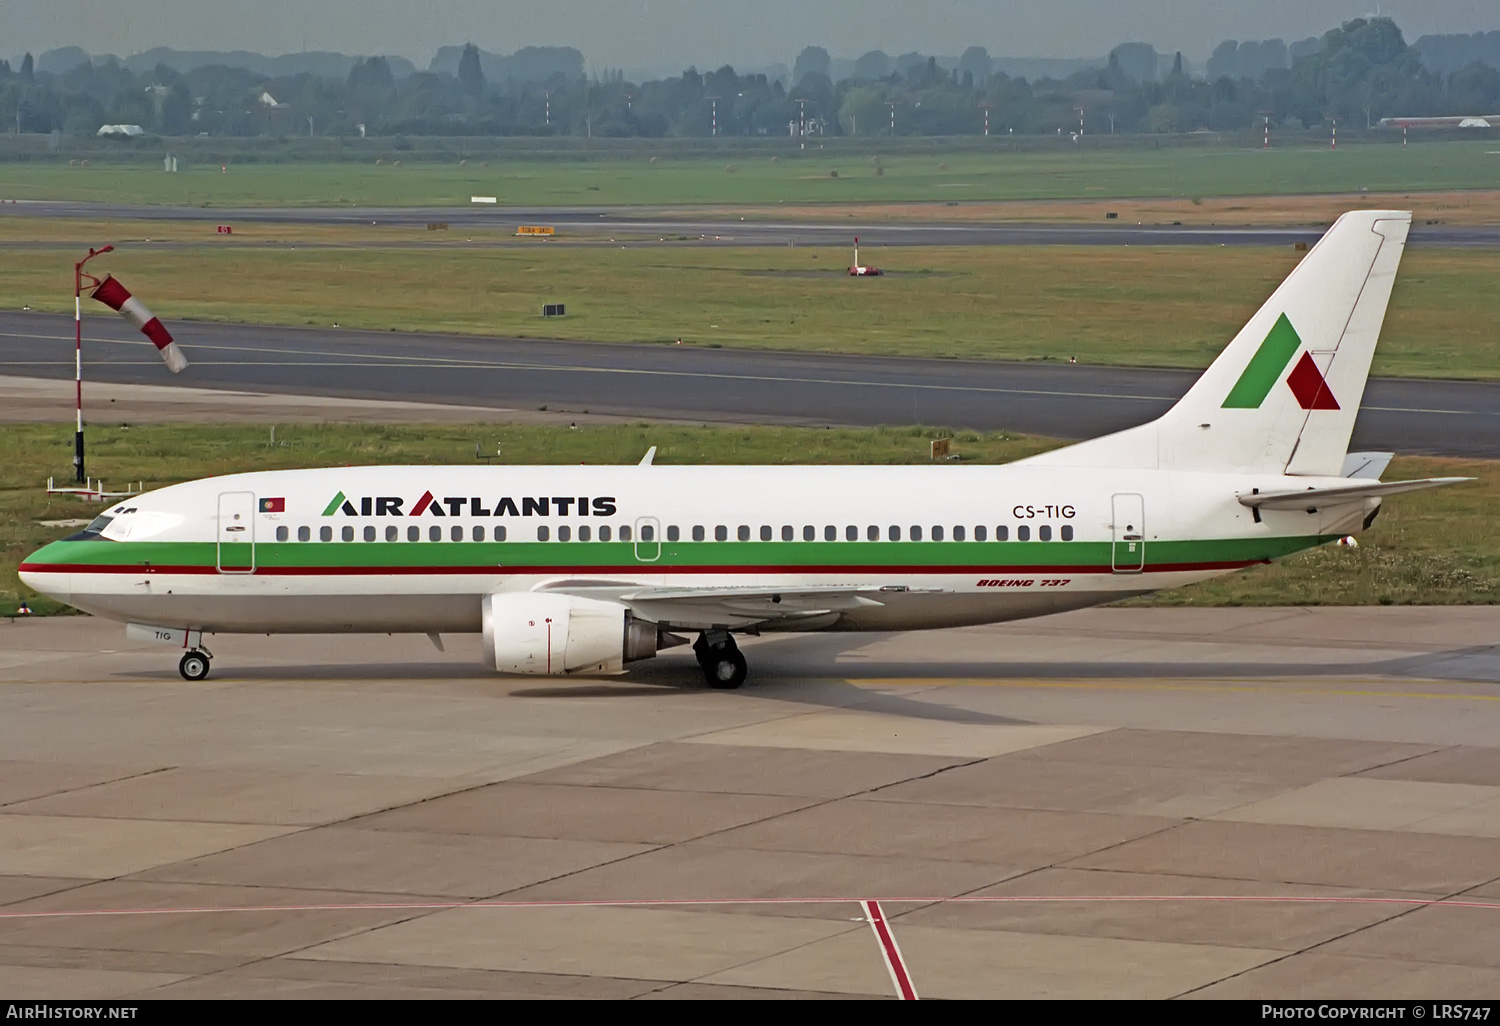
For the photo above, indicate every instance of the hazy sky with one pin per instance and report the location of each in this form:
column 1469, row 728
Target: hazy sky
column 654, row 34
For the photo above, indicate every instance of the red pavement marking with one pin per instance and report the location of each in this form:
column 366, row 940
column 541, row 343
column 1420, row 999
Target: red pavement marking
column 889, row 950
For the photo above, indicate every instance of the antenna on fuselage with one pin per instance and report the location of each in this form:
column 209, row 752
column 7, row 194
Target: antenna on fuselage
column 646, row 459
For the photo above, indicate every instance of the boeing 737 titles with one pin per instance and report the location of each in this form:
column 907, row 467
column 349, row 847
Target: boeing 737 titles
column 581, row 570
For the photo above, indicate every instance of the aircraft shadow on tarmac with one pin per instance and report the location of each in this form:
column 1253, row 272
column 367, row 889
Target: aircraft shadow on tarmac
column 817, row 658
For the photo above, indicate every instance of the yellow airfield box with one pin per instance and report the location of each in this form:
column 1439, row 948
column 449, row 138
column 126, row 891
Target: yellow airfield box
column 534, row 229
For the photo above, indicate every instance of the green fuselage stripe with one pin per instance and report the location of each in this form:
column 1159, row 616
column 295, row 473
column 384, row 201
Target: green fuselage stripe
column 622, row 556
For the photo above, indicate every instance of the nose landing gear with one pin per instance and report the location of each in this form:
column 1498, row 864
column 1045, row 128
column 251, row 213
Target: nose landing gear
column 194, row 665
column 723, row 665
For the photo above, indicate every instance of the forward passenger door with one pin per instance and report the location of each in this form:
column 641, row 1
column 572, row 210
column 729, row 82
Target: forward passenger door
column 236, row 533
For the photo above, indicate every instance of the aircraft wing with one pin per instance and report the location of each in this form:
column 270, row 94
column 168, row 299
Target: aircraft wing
column 731, row 607
column 1310, row 499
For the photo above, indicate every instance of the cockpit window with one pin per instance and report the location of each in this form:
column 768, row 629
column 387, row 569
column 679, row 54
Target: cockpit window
column 91, row 532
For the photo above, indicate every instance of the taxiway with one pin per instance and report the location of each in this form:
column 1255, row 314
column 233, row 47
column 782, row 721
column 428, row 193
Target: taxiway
column 691, row 383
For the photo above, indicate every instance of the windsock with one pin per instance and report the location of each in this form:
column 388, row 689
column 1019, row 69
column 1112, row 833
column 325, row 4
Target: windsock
column 118, row 298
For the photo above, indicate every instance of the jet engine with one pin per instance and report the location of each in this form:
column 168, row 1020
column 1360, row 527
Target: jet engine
column 549, row 634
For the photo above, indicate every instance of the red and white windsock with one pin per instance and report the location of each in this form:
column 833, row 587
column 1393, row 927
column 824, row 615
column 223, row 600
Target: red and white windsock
column 118, row 298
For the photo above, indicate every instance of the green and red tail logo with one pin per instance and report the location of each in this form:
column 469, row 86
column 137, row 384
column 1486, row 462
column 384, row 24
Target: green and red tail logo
column 1264, row 370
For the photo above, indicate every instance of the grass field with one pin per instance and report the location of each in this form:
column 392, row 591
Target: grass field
column 1159, row 306
column 750, row 178
column 1429, row 547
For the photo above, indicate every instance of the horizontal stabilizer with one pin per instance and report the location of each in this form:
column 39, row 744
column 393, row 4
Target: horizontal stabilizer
column 1366, row 465
column 1311, row 499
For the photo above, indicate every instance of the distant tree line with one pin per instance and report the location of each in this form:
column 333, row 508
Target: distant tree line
column 1360, row 72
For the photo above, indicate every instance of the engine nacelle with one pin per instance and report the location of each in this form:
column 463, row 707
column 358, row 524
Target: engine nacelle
column 548, row 634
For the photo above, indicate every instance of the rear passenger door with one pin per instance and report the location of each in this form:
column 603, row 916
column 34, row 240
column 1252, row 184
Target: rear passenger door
column 1129, row 550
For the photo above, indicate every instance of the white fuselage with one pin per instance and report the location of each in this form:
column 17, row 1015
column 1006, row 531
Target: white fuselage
column 357, row 550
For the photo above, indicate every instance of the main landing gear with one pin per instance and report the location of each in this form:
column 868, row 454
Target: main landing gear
column 723, row 665
column 194, row 665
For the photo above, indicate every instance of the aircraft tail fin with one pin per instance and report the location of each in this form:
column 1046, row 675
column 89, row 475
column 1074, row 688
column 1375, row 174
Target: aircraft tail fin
column 1283, row 395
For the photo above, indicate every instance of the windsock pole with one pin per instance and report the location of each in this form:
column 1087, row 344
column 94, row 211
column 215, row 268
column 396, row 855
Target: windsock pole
column 78, row 276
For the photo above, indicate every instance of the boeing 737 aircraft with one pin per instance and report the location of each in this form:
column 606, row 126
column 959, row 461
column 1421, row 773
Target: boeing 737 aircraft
column 581, row 570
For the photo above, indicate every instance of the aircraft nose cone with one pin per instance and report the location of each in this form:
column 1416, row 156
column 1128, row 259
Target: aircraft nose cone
column 43, row 571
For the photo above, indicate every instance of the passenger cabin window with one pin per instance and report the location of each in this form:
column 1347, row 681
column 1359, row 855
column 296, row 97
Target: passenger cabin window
column 648, row 533
column 893, row 533
column 809, row 533
column 325, row 534
column 937, row 532
column 830, row 533
column 584, row 533
column 564, row 533
column 765, row 532
column 744, row 532
column 1002, row 533
column 625, row 533
column 1044, row 533
column 456, row 533
column 304, row 534
column 697, row 532
column 542, row 534
column 348, row 534
column 721, row 533
column 1067, row 532
column 673, row 534
column 500, row 532
column 413, row 533
column 872, row 532
column 851, row 533
column 980, row 533
column 916, row 532
column 605, row 532
column 1023, row 533
column 434, row 533
column 958, row 532
column 282, row 534
column 787, row 534
column 478, row 533
column 369, row 532
column 392, row 533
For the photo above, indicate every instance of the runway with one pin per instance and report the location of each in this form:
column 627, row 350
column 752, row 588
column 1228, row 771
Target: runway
column 705, row 385
column 1117, row 803
column 685, row 225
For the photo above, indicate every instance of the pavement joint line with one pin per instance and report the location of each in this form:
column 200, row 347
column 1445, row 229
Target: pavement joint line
column 1355, row 774
column 1143, row 685
column 928, row 776
column 85, row 787
column 1409, row 904
column 857, row 922
column 1446, row 899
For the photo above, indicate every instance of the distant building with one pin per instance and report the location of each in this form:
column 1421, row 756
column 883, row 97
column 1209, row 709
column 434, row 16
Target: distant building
column 1471, row 121
column 128, row 130
column 267, row 100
